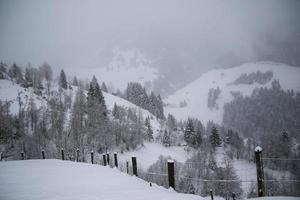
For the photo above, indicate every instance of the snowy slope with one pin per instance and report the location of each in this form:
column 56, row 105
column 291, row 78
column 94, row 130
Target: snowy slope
column 149, row 154
column 62, row 180
column 196, row 93
column 9, row 91
column 126, row 66
column 66, row 180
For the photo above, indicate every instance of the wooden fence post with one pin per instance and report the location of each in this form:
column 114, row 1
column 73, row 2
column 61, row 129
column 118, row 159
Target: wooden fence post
column 0, row 156
column 134, row 166
column 62, row 154
column 211, row 195
column 92, row 157
column 22, row 155
column 259, row 171
column 116, row 159
column 171, row 174
column 77, row 155
column 43, row 154
column 233, row 196
column 104, row 159
column 107, row 157
column 127, row 167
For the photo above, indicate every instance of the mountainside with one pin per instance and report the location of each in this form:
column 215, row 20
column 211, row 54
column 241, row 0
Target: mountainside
column 205, row 97
column 125, row 66
column 12, row 92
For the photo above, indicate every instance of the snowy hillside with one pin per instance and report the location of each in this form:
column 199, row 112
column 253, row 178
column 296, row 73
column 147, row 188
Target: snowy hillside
column 55, row 179
column 10, row 91
column 126, row 66
column 192, row 100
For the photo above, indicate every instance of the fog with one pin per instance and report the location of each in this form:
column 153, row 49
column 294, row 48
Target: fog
column 190, row 36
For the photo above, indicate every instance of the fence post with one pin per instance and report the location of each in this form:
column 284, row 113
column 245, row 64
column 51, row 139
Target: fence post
column 22, row 155
column 104, row 159
column 62, row 154
column 233, row 196
column 259, row 171
column 107, row 156
column 171, row 173
column 116, row 159
column 77, row 155
column 127, row 167
column 92, row 157
column 0, row 156
column 43, row 154
column 134, row 166
column 211, row 195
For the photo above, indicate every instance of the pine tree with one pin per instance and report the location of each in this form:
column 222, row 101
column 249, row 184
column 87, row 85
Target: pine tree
column 78, row 119
column 166, row 139
column 97, row 121
column 215, row 139
column 63, row 80
column 104, row 88
column 190, row 134
column 75, row 81
column 3, row 70
column 149, row 131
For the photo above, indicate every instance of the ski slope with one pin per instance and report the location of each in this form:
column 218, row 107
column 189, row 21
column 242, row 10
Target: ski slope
column 196, row 93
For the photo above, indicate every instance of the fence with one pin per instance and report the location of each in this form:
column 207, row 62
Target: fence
column 169, row 178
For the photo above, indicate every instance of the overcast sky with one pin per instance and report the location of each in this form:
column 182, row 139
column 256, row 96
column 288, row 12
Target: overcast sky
column 193, row 34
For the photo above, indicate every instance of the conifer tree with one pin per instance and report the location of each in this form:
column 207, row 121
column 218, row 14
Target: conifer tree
column 166, row 139
column 75, row 81
column 63, row 80
column 214, row 138
column 190, row 133
column 97, row 121
column 103, row 87
column 149, row 131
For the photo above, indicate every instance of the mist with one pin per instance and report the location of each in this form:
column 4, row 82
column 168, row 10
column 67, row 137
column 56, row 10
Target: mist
column 189, row 36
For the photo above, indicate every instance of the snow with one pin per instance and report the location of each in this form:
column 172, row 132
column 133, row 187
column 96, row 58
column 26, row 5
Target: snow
column 258, row 149
column 276, row 198
column 127, row 65
column 149, row 154
column 62, row 180
column 196, row 93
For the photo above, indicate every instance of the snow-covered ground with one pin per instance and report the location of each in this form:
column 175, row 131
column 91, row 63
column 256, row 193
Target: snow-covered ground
column 196, row 93
column 62, row 180
column 150, row 153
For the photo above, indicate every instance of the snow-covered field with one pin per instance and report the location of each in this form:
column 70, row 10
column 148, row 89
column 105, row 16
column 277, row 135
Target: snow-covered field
column 64, row 180
column 196, row 93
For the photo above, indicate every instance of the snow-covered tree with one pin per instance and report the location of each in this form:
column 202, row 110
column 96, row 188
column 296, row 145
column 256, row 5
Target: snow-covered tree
column 103, row 87
column 63, row 80
column 214, row 138
column 149, row 131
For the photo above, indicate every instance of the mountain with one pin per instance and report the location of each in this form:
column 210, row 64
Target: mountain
column 130, row 65
column 205, row 97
